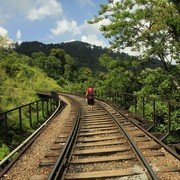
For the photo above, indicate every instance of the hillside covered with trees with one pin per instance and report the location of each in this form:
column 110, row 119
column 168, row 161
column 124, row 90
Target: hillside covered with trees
column 19, row 81
column 84, row 54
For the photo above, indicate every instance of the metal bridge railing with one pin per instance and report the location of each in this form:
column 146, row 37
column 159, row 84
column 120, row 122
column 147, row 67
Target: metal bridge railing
column 18, row 123
column 161, row 114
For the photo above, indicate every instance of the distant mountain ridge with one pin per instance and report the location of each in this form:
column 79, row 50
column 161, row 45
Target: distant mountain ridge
column 85, row 55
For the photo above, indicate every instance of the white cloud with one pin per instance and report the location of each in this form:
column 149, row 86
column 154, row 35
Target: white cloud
column 43, row 8
column 10, row 9
column 30, row 9
column 130, row 52
column 18, row 34
column 91, row 34
column 64, row 26
column 85, row 32
column 92, row 39
column 93, row 28
column 3, row 32
column 89, row 28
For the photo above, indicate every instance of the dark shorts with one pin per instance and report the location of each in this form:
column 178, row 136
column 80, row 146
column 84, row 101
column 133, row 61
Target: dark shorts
column 90, row 101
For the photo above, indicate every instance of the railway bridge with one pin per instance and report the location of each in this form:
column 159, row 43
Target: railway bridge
column 73, row 142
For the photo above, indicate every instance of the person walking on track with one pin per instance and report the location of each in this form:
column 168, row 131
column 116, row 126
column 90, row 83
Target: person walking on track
column 90, row 97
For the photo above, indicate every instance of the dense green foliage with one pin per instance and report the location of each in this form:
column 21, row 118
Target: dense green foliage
column 84, row 54
column 19, row 81
column 152, row 27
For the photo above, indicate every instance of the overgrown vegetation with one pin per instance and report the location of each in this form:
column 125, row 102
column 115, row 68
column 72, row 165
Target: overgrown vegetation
column 19, row 82
column 34, row 66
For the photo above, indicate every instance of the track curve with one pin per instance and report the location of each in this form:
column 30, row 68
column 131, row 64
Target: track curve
column 103, row 151
column 100, row 149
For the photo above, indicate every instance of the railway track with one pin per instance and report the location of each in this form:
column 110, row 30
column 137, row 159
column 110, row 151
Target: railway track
column 103, row 144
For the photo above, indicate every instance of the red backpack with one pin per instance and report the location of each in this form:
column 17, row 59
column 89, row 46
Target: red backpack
column 90, row 94
column 90, row 90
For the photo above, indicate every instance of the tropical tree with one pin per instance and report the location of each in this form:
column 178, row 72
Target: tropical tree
column 119, row 75
column 157, row 84
column 151, row 27
column 85, row 74
column 19, row 81
column 39, row 59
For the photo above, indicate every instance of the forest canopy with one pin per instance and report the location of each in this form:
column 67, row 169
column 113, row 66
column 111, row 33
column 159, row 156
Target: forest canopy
column 150, row 27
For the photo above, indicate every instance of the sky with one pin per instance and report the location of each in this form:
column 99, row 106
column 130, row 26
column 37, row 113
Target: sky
column 51, row 21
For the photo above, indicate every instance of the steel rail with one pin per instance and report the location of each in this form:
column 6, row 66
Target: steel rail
column 58, row 169
column 133, row 144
